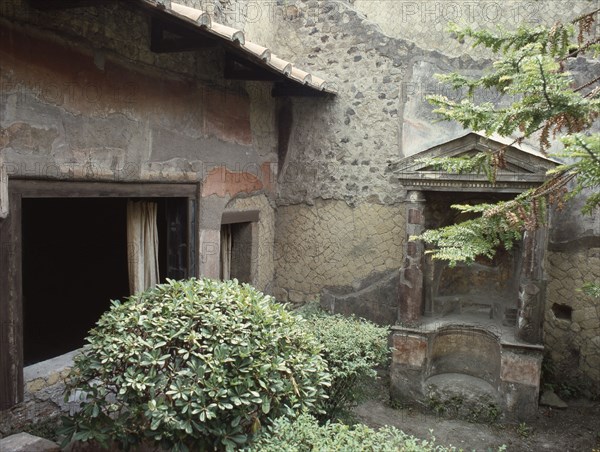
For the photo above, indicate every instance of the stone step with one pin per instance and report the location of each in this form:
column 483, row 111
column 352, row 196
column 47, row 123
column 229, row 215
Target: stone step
column 25, row 442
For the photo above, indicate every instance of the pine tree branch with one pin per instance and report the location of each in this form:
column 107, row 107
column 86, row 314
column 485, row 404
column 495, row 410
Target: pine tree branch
column 585, row 16
column 590, row 152
column 593, row 93
column 580, row 49
column 544, row 84
column 591, row 82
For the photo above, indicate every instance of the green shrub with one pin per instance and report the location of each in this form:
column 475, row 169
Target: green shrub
column 197, row 364
column 353, row 348
column 305, row 435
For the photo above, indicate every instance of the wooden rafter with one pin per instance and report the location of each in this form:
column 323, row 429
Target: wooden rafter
column 285, row 89
column 179, row 41
column 238, row 68
column 63, row 4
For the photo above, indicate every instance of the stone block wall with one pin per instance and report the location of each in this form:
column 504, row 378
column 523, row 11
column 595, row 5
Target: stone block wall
column 43, row 397
column 572, row 318
column 331, row 244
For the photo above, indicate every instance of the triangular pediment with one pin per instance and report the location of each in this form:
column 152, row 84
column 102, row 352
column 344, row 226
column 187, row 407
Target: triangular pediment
column 524, row 166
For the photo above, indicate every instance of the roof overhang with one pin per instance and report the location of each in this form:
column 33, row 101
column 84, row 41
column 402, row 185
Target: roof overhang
column 192, row 29
column 525, row 167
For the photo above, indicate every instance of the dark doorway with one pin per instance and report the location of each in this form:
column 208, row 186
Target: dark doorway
column 237, row 242
column 241, row 252
column 173, row 238
column 74, row 263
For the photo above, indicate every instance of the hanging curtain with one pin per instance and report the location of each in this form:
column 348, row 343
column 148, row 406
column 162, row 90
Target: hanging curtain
column 226, row 252
column 142, row 245
column 3, row 190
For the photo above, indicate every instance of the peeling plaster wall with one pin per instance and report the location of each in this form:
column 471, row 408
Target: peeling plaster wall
column 83, row 97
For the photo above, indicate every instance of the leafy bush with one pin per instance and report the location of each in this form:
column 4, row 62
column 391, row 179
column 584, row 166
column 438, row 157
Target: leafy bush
column 353, row 348
column 305, row 435
column 195, row 364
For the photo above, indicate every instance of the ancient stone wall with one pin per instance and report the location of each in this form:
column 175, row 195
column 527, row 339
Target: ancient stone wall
column 382, row 56
column 332, row 244
column 44, row 395
column 84, row 97
column 572, row 318
column 264, row 264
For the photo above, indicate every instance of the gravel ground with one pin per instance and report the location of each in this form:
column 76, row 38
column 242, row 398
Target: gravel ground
column 576, row 428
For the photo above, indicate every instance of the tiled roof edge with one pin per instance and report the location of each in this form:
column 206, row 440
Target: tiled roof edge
column 266, row 58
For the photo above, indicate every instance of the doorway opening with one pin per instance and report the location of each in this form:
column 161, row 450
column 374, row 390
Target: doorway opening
column 75, row 260
column 74, row 263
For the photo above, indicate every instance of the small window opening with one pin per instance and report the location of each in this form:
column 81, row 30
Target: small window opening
column 236, row 251
column 562, row 311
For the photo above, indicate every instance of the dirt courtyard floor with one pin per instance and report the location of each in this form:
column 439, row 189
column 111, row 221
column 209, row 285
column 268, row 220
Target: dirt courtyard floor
column 576, row 428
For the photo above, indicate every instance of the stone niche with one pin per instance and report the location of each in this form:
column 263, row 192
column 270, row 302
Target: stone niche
column 468, row 340
column 486, row 290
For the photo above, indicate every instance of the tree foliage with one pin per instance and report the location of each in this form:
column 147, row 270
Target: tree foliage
column 531, row 67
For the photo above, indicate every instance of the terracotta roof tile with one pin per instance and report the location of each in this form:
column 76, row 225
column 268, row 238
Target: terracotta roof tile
column 203, row 20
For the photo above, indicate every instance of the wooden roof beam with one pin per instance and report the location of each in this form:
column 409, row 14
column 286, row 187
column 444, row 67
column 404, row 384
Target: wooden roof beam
column 287, row 89
column 64, row 4
column 183, row 42
column 237, row 68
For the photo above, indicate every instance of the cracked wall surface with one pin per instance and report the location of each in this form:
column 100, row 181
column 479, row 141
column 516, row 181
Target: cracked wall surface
column 573, row 344
column 93, row 102
column 333, row 244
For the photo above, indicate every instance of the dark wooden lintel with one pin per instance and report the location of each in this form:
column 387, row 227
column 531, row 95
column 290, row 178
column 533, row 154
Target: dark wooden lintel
column 30, row 188
column 245, row 216
column 63, row 4
column 290, row 89
column 237, row 68
column 184, row 42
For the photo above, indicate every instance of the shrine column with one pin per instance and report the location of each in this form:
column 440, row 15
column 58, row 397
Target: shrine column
column 410, row 295
column 532, row 287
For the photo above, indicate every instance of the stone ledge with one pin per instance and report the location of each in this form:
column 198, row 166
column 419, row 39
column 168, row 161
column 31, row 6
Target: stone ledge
column 24, row 442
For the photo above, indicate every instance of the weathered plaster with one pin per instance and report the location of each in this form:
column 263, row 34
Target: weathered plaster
column 333, row 244
column 122, row 113
column 382, row 55
column 574, row 345
column 262, row 278
column 44, row 394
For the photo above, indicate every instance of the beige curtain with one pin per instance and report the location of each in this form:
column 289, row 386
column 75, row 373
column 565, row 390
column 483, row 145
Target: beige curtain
column 142, row 245
column 226, row 252
column 3, row 190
